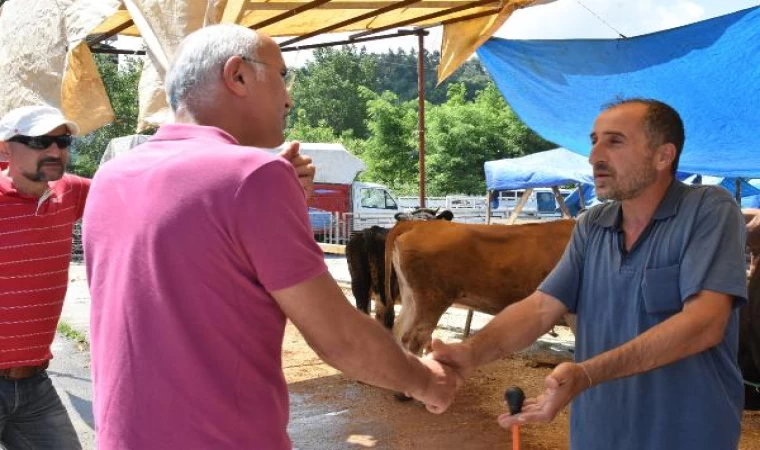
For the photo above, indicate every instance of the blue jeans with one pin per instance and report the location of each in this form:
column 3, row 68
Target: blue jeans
column 32, row 416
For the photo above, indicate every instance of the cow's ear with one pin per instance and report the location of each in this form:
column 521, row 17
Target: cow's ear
column 400, row 216
column 445, row 215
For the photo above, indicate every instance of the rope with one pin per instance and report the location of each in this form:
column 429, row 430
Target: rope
column 752, row 385
column 602, row 20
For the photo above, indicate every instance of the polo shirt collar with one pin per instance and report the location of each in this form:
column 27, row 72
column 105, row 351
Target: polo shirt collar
column 612, row 214
column 180, row 131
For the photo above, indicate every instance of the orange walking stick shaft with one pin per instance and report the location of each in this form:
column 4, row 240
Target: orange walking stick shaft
column 515, row 437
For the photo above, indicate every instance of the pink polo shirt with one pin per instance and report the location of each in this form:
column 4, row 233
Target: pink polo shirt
column 185, row 236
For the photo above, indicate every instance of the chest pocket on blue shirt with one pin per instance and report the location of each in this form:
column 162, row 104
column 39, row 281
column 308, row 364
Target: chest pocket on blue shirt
column 660, row 289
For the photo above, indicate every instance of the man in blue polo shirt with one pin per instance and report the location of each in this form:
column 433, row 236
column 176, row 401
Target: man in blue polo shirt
column 655, row 276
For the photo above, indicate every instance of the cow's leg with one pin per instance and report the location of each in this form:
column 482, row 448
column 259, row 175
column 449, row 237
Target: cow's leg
column 358, row 267
column 415, row 327
column 381, row 311
column 389, row 312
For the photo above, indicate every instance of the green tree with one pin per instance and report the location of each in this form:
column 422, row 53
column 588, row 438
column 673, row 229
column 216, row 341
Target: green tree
column 391, row 152
column 462, row 136
column 121, row 86
column 328, row 90
column 397, row 72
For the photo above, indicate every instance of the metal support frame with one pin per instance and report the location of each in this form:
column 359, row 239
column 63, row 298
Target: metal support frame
column 421, row 112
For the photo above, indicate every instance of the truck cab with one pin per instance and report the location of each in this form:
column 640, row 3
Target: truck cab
column 373, row 204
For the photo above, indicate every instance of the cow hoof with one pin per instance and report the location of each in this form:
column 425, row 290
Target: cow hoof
column 402, row 397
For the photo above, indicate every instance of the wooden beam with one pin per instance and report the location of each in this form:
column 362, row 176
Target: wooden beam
column 738, row 192
column 519, row 207
column 287, row 6
column 359, row 18
column 561, row 202
column 425, row 17
column 233, row 12
column 288, row 14
column 97, row 39
column 400, row 33
column 490, row 12
column 335, row 249
column 117, row 51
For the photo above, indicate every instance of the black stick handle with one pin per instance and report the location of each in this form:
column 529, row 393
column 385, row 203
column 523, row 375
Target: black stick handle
column 515, row 398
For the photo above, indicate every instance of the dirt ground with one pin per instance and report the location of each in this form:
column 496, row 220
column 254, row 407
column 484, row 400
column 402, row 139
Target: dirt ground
column 330, row 412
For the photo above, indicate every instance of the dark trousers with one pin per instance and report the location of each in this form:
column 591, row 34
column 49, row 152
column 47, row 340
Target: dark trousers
column 32, row 416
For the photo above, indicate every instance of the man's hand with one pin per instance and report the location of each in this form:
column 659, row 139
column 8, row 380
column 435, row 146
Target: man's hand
column 303, row 165
column 562, row 385
column 458, row 356
column 441, row 387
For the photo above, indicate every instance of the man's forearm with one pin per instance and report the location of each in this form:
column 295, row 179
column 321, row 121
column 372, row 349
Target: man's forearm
column 373, row 356
column 515, row 328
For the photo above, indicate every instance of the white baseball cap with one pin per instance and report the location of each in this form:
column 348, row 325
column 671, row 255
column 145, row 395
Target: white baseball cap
column 34, row 121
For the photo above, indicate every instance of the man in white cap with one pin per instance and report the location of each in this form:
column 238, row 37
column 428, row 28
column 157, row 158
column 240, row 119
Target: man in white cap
column 39, row 205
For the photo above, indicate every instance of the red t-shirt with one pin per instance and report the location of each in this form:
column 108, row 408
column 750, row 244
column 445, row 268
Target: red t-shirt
column 185, row 237
column 35, row 250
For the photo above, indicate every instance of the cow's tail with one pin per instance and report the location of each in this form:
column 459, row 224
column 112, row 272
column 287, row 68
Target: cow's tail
column 399, row 229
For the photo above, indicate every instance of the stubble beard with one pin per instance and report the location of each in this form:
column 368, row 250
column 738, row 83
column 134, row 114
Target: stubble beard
column 630, row 187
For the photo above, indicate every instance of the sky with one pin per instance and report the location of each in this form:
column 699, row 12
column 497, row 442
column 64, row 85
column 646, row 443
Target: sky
column 571, row 19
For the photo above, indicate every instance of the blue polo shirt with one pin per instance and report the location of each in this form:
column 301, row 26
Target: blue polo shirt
column 694, row 242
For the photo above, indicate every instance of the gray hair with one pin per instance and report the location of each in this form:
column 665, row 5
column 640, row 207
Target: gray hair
column 200, row 59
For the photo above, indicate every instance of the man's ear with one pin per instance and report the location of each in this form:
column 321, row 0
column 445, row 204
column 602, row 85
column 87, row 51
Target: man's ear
column 233, row 77
column 666, row 154
column 5, row 150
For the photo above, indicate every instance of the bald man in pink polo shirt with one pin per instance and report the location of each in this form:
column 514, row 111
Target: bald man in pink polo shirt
column 198, row 250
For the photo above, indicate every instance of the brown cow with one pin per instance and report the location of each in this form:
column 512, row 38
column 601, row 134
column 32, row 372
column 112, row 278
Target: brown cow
column 484, row 267
column 365, row 253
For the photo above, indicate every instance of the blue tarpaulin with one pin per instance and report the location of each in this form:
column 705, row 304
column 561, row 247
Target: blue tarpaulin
column 709, row 71
column 544, row 169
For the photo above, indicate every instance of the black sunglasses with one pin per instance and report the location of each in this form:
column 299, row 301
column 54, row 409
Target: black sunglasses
column 43, row 142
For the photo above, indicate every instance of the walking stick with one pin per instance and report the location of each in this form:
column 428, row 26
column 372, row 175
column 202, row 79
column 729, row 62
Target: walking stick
column 515, row 398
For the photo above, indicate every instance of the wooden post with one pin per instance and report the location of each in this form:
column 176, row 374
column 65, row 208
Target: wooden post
column 519, row 207
column 489, row 197
column 580, row 195
column 561, row 202
column 468, row 323
column 738, row 191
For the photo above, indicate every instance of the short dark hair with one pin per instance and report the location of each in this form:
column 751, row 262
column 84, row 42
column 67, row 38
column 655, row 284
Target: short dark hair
column 662, row 124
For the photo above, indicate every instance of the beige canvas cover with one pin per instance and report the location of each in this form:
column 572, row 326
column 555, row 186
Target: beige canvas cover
column 43, row 40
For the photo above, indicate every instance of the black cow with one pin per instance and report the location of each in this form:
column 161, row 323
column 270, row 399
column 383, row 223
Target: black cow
column 365, row 254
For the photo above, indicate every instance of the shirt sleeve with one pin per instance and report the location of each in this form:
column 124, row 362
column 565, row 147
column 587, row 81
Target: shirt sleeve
column 271, row 223
column 714, row 255
column 564, row 282
column 83, row 185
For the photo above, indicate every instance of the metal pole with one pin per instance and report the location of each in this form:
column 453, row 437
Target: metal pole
column 421, row 113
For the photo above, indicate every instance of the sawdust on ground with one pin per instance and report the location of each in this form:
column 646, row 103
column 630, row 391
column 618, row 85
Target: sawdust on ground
column 330, row 412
